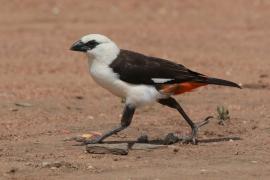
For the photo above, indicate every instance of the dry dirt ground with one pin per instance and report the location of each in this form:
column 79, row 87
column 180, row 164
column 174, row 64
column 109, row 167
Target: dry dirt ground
column 226, row 39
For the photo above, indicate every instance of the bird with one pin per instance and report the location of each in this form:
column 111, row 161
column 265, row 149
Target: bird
column 141, row 80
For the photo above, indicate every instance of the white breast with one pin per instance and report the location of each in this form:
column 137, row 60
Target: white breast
column 137, row 95
column 106, row 78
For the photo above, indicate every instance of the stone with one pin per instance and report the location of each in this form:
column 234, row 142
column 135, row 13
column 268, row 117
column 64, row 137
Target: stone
column 117, row 149
column 144, row 146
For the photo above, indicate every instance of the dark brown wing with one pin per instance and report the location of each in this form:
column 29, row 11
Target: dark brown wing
column 137, row 68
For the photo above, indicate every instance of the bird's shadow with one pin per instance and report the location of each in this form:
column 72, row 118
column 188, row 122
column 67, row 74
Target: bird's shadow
column 163, row 142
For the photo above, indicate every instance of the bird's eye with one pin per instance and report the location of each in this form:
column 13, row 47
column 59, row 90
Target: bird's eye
column 92, row 44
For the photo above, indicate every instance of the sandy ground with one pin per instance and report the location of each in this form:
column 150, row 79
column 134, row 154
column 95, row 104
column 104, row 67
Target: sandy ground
column 226, row 39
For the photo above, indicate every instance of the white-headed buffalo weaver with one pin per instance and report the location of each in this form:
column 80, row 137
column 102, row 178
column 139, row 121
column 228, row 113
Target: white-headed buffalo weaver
column 140, row 79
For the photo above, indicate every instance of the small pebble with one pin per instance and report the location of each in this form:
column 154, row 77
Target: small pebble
column 23, row 104
column 90, row 167
column 55, row 164
column 203, row 170
column 116, row 159
column 138, row 157
column 12, row 170
column 79, row 97
column 55, row 11
column 254, row 127
column 263, row 75
column 175, row 150
column 90, row 117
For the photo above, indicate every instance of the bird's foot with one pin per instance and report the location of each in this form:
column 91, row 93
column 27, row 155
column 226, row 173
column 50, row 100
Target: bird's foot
column 193, row 138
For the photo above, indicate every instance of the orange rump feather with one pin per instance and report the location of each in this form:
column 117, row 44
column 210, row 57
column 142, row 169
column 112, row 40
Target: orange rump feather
column 180, row 88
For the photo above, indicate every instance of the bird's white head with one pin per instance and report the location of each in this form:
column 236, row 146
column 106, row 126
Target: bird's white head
column 97, row 46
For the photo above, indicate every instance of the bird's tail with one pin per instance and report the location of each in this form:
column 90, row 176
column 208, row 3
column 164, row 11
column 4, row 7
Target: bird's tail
column 180, row 88
column 221, row 82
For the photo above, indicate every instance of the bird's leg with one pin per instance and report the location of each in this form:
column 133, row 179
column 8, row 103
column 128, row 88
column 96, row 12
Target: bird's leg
column 171, row 102
column 125, row 122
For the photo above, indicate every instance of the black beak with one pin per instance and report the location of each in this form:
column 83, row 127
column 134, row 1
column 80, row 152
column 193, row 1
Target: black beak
column 79, row 46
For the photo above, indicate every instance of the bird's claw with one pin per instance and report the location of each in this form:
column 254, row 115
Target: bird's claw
column 193, row 138
column 204, row 122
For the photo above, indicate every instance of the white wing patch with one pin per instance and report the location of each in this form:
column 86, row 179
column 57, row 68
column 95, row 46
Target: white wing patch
column 161, row 80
